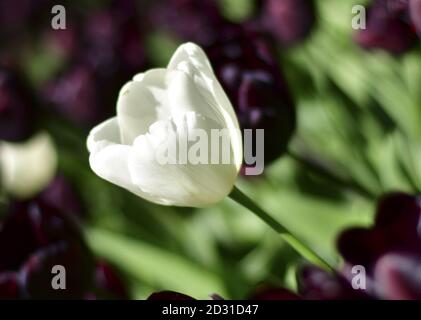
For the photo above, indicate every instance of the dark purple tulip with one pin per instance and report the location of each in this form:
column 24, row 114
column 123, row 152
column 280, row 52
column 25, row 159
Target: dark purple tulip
column 398, row 277
column 16, row 107
column 169, row 295
column 245, row 64
column 289, row 21
column 273, row 293
column 9, row 288
column 108, row 282
column 390, row 249
column 36, row 274
column 415, row 13
column 396, row 229
column 33, row 238
column 109, row 50
column 317, row 284
column 387, row 29
column 61, row 195
column 398, row 6
column 189, row 20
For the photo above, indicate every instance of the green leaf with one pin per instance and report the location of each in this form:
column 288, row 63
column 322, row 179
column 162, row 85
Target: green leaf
column 154, row 266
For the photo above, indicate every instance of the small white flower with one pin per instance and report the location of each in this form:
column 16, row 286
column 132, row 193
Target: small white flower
column 26, row 168
column 160, row 102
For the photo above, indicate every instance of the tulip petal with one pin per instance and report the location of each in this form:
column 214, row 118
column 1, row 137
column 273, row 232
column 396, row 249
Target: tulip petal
column 111, row 164
column 142, row 102
column 104, row 134
column 185, row 96
column 191, row 59
column 178, row 184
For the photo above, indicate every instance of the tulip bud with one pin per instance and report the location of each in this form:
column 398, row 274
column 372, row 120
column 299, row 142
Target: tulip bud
column 395, row 229
column 290, row 21
column 248, row 71
column 157, row 108
column 27, row 167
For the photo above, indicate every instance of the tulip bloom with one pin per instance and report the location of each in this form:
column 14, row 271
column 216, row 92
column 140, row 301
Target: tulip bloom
column 27, row 167
column 158, row 106
column 158, row 103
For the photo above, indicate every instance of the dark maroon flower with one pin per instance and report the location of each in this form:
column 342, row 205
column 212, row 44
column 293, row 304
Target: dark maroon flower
column 33, row 238
column 289, row 21
column 396, row 229
column 36, row 273
column 16, row 106
column 109, row 50
column 317, row 284
column 398, row 277
column 169, row 295
column 387, row 29
column 415, row 14
column 108, row 283
column 398, row 6
column 189, row 20
column 244, row 63
column 9, row 286
column 61, row 195
column 43, row 232
column 389, row 250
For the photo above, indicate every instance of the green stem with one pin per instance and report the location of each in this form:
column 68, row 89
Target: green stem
column 323, row 171
column 287, row 235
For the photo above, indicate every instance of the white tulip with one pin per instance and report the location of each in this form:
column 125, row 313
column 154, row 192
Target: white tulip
column 26, row 168
column 155, row 105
